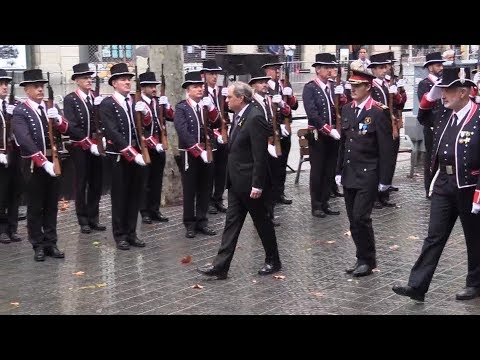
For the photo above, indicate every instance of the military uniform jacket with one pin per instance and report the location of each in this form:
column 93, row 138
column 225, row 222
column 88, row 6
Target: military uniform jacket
column 319, row 109
column 427, row 118
column 286, row 111
column 4, row 137
column 78, row 115
column 151, row 121
column 365, row 158
column 467, row 147
column 216, row 101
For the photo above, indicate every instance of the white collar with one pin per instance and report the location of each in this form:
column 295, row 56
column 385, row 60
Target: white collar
column 462, row 113
column 34, row 105
column 146, row 99
column 240, row 113
column 362, row 105
column 82, row 95
column 120, row 98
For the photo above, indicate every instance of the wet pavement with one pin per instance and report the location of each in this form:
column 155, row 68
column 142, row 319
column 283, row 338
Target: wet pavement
column 96, row 278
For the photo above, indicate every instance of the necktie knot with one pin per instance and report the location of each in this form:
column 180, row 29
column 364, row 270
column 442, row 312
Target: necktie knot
column 454, row 120
column 357, row 111
column 4, row 107
column 88, row 99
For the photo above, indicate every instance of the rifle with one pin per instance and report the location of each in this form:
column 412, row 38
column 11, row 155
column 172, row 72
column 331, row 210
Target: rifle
column 223, row 126
column 55, row 160
column 390, row 104
column 338, row 81
column 8, row 117
column 400, row 113
column 286, row 83
column 276, row 136
column 139, row 122
column 163, row 128
column 96, row 116
column 208, row 144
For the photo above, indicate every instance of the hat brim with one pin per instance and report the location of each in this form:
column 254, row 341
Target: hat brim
column 272, row 64
column 320, row 63
column 114, row 76
column 430, row 62
column 8, row 78
column 458, row 83
column 23, row 83
column 149, row 83
column 75, row 75
column 373, row 64
column 218, row 69
column 259, row 78
column 191, row 82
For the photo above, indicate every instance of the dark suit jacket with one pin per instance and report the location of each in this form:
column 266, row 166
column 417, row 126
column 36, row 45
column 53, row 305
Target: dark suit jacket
column 316, row 108
column 427, row 118
column 78, row 116
column 247, row 165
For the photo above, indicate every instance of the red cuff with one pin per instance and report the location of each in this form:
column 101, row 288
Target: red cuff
column 425, row 104
column 129, row 153
column 476, row 197
column 291, row 100
column 169, row 113
column 217, row 132
column 326, row 129
column 151, row 142
column 39, row 159
column 286, row 110
column 195, row 150
column 86, row 143
column 147, row 119
column 343, row 100
column 213, row 114
column 63, row 126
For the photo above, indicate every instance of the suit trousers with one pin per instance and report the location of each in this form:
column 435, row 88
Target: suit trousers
column 88, row 185
column 153, row 184
column 220, row 158
column 444, row 211
column 126, row 194
column 12, row 186
column 286, row 144
column 428, row 140
column 239, row 204
column 359, row 205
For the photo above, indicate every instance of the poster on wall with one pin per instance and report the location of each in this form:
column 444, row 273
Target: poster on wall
column 13, row 57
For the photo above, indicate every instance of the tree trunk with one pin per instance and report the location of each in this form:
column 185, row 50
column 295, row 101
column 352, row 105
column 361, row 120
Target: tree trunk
column 171, row 56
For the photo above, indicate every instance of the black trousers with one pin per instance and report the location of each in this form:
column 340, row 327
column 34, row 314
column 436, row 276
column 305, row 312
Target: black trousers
column 197, row 185
column 323, row 163
column 88, row 185
column 396, row 147
column 239, row 204
column 359, row 205
column 286, row 144
column 444, row 211
column 12, row 186
column 428, row 139
column 42, row 208
column 153, row 184
column 126, row 194
column 220, row 158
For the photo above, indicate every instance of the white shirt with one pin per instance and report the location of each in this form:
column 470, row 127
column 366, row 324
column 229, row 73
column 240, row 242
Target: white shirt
column 462, row 113
column 362, row 105
column 121, row 100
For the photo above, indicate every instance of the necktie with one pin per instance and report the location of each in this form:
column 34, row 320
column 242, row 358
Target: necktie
column 327, row 90
column 153, row 107
column 128, row 109
column 89, row 104
column 236, row 118
column 43, row 117
column 199, row 114
column 215, row 98
column 357, row 111
column 454, row 120
column 267, row 107
column 4, row 107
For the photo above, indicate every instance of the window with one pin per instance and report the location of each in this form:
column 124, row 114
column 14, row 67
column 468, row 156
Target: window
column 199, row 53
column 110, row 53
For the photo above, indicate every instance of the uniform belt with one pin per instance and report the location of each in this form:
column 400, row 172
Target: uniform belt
column 448, row 169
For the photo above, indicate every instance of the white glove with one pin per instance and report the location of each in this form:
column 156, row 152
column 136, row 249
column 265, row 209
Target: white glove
column 338, row 179
column 104, row 142
column 163, row 100
column 334, row 134
column 393, row 89
column 277, row 99
column 97, row 100
column 204, row 157
column 400, row 83
column 220, row 139
column 224, row 91
column 10, row 109
column 271, row 150
column 207, row 101
column 141, row 106
column 435, row 93
column 339, row 90
column 476, row 78
column 475, row 208
column 3, row 159
column 94, row 150
column 287, row 91
column 48, row 166
column 52, row 113
column 159, row 148
column 383, row 188
column 139, row 160
column 348, row 86
column 477, row 99
column 284, row 130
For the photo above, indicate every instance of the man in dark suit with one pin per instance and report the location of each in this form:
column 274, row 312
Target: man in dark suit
column 456, row 184
column 248, row 183
column 364, row 166
column 78, row 109
column 434, row 63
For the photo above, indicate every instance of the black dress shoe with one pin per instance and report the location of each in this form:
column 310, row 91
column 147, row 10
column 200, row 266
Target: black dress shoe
column 329, row 211
column 210, row 270
column 362, row 270
column 136, row 242
column 98, row 227
column 14, row 237
column 157, row 216
column 352, row 268
column 212, row 209
column 392, row 188
column 284, row 200
column 85, row 229
column 409, row 291
column 388, row 203
column 220, row 207
column 123, row 245
column 146, row 219
column 468, row 293
column 269, row 269
column 54, row 252
column 39, row 254
column 377, row 205
column 318, row 213
column 207, row 231
column 4, row 238
column 190, row 233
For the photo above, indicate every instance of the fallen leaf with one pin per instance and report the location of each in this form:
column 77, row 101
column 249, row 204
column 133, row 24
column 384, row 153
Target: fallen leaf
column 254, row 281
column 279, row 277
column 318, row 294
column 197, row 286
column 79, row 273
column 309, row 249
column 96, row 243
column 14, row 303
column 349, row 280
column 348, row 233
column 330, row 241
column 187, row 259
column 87, row 287
column 392, row 237
column 375, row 270
column 101, row 285
column 394, row 247
column 411, row 237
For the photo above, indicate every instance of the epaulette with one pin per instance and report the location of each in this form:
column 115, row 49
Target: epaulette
column 381, row 105
column 311, row 81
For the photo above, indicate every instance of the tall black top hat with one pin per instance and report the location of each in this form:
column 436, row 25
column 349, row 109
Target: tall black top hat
column 32, row 76
column 4, row 76
column 455, row 76
column 193, row 77
column 210, row 66
column 120, row 69
column 148, row 78
column 433, row 58
column 380, row 59
column 391, row 56
column 81, row 69
column 258, row 75
column 324, row 59
column 272, row 60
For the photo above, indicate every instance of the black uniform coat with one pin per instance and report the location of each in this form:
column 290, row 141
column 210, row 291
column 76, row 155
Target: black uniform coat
column 76, row 111
column 427, row 119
